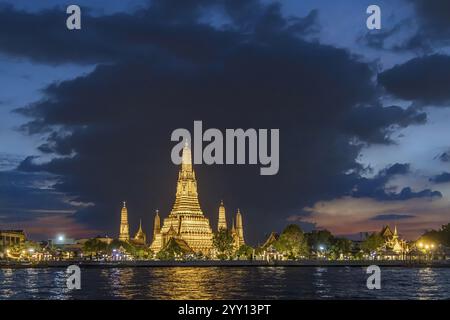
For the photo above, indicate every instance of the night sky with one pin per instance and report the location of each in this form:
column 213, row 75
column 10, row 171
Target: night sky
column 86, row 116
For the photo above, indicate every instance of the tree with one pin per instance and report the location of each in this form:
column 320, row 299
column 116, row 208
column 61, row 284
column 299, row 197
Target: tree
column 441, row 236
column 171, row 251
column 292, row 242
column 223, row 243
column 245, row 251
column 94, row 247
column 128, row 247
column 318, row 238
column 372, row 243
column 341, row 246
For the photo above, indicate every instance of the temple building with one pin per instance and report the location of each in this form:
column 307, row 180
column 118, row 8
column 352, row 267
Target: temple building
column 156, row 224
column 222, row 224
column 237, row 231
column 12, row 237
column 124, row 233
column 394, row 247
column 186, row 222
column 140, row 238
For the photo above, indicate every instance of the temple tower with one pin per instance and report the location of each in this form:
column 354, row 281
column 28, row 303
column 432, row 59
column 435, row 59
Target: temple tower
column 124, row 233
column 156, row 224
column 222, row 224
column 240, row 228
column 186, row 221
column 140, row 237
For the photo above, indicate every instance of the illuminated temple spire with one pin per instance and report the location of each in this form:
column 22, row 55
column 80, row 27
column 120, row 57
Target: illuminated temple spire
column 156, row 224
column 124, row 233
column 240, row 227
column 186, row 201
column 222, row 224
column 140, row 236
column 186, row 222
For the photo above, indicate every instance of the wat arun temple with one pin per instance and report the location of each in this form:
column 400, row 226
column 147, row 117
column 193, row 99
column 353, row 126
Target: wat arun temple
column 186, row 223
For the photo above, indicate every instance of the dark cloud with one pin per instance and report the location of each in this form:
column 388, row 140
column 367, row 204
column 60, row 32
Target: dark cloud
column 9, row 161
column 385, row 217
column 109, row 131
column 433, row 18
column 444, row 177
column 444, row 156
column 396, row 38
column 424, row 33
column 36, row 188
column 376, row 187
column 424, row 79
column 376, row 124
column 167, row 26
column 430, row 28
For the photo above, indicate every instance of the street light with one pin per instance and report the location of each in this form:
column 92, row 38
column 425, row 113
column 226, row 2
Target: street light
column 60, row 238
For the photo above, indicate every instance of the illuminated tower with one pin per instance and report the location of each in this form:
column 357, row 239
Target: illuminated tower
column 140, row 237
column 124, row 233
column 222, row 224
column 156, row 224
column 186, row 220
column 239, row 228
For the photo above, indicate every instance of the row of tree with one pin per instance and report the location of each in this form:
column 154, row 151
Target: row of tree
column 292, row 242
column 95, row 248
column 441, row 236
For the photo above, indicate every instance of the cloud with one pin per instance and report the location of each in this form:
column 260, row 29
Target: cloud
column 444, row 156
column 397, row 38
column 29, row 201
column 376, row 124
column 348, row 215
column 9, row 161
column 376, row 187
column 424, row 32
column 433, row 19
column 424, row 79
column 108, row 132
column 164, row 27
column 385, row 217
column 444, row 177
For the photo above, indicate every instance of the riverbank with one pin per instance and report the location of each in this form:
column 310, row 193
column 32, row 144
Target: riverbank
column 218, row 263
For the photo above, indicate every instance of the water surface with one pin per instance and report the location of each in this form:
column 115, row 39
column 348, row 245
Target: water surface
column 226, row 283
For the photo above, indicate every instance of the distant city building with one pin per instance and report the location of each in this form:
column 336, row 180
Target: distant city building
column 12, row 237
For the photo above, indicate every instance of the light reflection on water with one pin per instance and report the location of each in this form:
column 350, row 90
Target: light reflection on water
column 226, row 283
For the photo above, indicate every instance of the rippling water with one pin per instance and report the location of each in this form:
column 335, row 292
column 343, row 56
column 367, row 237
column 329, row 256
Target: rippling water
column 226, row 283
